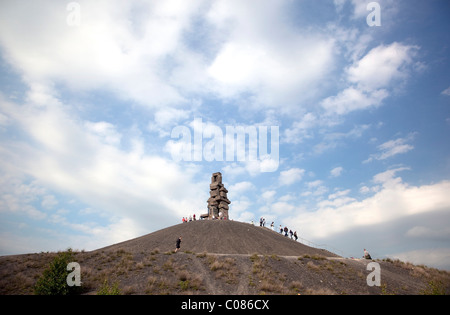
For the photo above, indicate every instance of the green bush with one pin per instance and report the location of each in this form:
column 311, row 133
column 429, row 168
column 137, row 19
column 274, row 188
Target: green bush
column 53, row 280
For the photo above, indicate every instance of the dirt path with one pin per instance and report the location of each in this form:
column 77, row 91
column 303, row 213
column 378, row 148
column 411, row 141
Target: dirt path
column 242, row 287
column 210, row 284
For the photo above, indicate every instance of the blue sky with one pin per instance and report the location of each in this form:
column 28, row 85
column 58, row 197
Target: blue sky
column 91, row 93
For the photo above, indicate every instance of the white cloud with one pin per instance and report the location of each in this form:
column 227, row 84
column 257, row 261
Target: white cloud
column 352, row 99
column 18, row 197
column 49, row 201
column 70, row 156
column 366, row 189
column 360, row 9
column 446, row 91
column 339, row 194
column 260, row 54
column 381, row 66
column 245, row 216
column 280, row 208
column 370, row 78
column 334, row 139
column 335, row 202
column 392, row 148
column 233, row 170
column 268, row 195
column 301, row 130
column 291, row 176
column 337, row 171
column 393, row 201
column 316, row 188
column 314, row 184
column 166, row 118
column 118, row 45
column 144, row 52
column 105, row 131
column 241, row 188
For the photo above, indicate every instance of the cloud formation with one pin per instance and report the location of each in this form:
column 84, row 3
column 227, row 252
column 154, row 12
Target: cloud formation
column 136, row 190
column 392, row 201
column 370, row 78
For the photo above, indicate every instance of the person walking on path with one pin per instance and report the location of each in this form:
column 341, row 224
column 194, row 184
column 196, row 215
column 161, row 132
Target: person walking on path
column 295, row 236
column 286, row 231
column 178, row 244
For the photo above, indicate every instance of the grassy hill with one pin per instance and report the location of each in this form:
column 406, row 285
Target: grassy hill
column 222, row 257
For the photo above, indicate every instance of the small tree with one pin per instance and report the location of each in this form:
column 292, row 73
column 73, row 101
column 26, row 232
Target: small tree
column 53, row 280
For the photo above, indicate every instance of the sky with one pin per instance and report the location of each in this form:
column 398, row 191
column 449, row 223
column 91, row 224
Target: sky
column 329, row 117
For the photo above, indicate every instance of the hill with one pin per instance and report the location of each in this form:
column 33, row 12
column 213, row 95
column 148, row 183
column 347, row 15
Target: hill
column 222, row 257
column 222, row 237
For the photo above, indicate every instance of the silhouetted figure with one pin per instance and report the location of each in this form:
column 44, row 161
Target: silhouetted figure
column 178, row 244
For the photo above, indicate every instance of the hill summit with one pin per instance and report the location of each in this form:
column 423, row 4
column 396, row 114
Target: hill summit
column 222, row 237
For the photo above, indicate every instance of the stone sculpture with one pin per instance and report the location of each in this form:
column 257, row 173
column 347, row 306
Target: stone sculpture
column 218, row 201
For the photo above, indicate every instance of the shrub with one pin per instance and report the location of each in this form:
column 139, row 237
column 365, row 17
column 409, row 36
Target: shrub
column 54, row 279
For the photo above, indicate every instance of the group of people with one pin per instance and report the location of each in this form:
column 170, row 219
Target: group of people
column 286, row 230
column 293, row 235
column 262, row 222
column 191, row 218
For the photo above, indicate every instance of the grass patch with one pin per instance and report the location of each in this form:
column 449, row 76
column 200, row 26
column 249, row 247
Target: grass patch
column 107, row 289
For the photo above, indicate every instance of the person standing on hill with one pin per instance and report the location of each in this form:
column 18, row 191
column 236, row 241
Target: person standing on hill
column 178, row 244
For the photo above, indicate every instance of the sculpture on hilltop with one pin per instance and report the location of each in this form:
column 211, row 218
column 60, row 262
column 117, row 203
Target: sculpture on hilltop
column 218, row 201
